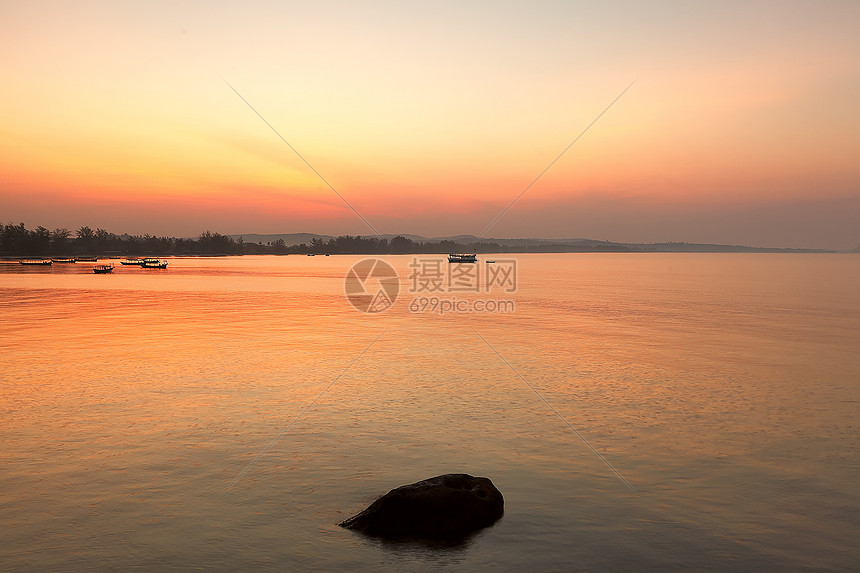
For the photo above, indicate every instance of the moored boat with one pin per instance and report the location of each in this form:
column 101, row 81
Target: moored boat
column 62, row 260
column 462, row 258
column 103, row 269
column 86, row 259
column 137, row 262
column 36, row 262
column 153, row 264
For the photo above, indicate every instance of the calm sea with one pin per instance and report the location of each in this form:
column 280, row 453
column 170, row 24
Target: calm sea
column 723, row 387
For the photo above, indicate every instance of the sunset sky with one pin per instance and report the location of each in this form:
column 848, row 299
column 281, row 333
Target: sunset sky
column 743, row 126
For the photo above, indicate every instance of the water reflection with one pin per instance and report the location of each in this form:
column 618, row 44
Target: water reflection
column 426, row 552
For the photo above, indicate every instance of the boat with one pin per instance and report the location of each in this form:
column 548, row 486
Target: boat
column 86, row 259
column 103, row 269
column 62, row 260
column 462, row 258
column 311, row 255
column 153, row 264
column 489, row 262
column 137, row 262
column 35, row 262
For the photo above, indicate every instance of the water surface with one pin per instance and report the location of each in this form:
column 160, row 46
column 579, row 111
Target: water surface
column 723, row 387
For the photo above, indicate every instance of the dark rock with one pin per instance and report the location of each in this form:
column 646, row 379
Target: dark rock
column 446, row 507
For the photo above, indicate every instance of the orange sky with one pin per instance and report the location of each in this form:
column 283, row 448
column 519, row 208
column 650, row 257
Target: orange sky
column 743, row 126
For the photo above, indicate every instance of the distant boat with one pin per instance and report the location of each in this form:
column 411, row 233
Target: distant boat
column 488, row 262
column 103, row 269
column 137, row 262
column 455, row 258
column 86, row 259
column 153, row 264
column 63, row 260
column 311, row 255
column 35, row 262
column 328, row 255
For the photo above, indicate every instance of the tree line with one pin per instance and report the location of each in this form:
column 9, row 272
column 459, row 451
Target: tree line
column 18, row 241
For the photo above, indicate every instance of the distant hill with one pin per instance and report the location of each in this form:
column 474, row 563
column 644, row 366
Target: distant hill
column 538, row 245
column 290, row 239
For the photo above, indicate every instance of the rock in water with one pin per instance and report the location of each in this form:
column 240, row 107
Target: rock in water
column 446, row 507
